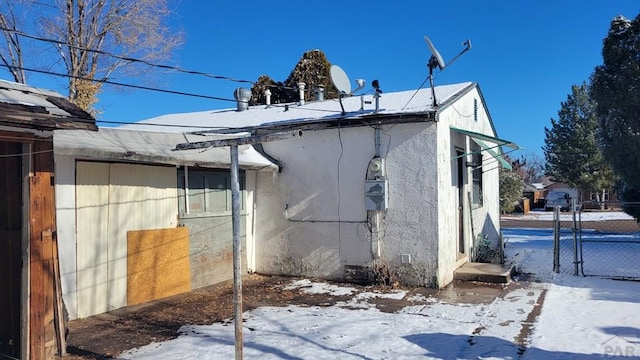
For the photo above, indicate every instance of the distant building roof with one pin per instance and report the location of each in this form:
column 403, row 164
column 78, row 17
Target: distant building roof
column 30, row 107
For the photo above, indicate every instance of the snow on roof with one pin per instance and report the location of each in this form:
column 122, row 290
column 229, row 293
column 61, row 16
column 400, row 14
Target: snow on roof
column 155, row 147
column 404, row 102
column 15, row 93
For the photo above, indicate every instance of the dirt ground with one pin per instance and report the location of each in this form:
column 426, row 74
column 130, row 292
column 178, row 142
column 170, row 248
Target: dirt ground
column 107, row 335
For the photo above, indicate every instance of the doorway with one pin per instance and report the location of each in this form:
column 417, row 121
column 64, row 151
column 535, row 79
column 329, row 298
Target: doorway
column 460, row 157
column 10, row 248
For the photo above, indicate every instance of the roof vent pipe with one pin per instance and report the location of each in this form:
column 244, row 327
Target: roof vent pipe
column 267, row 96
column 318, row 93
column 242, row 96
column 301, row 86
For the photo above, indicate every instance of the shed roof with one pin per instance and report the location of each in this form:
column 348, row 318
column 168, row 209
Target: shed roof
column 30, row 107
column 153, row 147
column 412, row 105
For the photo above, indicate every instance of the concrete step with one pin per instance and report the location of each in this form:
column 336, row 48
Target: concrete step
column 489, row 273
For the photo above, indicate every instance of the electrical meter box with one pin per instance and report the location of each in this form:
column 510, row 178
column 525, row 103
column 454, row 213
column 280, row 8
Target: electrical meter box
column 375, row 194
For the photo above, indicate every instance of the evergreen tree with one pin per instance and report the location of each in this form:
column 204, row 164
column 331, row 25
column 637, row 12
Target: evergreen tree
column 571, row 148
column 511, row 186
column 615, row 86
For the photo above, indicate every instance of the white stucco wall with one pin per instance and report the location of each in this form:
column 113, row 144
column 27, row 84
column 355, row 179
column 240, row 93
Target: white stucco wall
column 485, row 218
column 311, row 218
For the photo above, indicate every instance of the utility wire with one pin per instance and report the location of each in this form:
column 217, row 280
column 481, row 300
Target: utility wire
column 125, row 58
column 120, row 84
column 134, row 60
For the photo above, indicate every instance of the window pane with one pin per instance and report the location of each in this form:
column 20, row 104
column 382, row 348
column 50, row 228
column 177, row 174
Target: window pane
column 196, row 193
column 217, row 192
column 477, row 178
column 209, row 191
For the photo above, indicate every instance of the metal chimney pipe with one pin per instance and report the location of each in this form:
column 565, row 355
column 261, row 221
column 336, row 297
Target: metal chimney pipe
column 319, row 93
column 376, row 95
column 301, row 86
column 242, row 96
column 267, row 95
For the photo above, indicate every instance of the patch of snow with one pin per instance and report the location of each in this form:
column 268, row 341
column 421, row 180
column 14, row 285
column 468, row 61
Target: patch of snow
column 580, row 318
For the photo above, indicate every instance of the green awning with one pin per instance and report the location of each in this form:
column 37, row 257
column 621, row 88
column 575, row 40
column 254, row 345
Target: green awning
column 494, row 150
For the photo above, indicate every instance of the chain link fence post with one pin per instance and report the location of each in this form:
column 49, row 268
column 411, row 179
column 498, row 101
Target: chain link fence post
column 575, row 238
column 556, row 239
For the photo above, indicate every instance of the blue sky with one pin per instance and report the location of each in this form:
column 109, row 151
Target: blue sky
column 525, row 54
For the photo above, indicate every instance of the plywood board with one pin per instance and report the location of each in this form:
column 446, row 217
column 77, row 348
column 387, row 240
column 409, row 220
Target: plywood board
column 157, row 264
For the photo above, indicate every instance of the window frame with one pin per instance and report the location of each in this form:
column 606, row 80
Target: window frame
column 477, row 183
column 207, row 185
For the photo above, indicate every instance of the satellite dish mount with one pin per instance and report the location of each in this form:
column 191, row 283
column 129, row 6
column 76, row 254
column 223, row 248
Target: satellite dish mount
column 341, row 82
column 436, row 61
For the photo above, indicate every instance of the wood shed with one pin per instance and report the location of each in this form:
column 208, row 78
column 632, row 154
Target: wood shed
column 31, row 310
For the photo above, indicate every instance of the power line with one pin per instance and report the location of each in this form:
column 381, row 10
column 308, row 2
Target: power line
column 125, row 58
column 120, row 84
column 148, row 63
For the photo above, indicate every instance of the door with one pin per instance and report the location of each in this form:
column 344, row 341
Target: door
column 92, row 203
column 10, row 248
column 112, row 199
column 460, row 185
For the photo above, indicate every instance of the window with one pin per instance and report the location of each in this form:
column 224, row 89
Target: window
column 209, row 191
column 476, row 173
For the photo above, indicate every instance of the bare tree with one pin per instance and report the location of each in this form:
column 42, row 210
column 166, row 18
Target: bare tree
column 92, row 30
column 530, row 167
column 11, row 52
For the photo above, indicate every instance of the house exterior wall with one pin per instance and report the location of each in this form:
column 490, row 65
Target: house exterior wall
column 211, row 233
column 210, row 244
column 311, row 218
column 93, row 250
column 468, row 113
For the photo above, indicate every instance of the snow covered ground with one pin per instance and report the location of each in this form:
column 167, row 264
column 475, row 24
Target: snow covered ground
column 580, row 318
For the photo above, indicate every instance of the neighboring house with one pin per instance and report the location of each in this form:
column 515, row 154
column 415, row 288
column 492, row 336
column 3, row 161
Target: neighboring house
column 31, row 310
column 588, row 199
column 391, row 188
column 535, row 194
column 139, row 221
column 557, row 186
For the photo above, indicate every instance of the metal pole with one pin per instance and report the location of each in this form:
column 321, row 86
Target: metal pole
column 575, row 238
column 556, row 239
column 237, row 261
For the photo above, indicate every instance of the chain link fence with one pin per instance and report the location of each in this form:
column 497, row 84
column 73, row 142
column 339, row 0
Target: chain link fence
column 608, row 246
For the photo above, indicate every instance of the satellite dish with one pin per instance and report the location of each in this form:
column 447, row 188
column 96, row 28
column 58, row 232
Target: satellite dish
column 436, row 60
column 341, row 82
column 436, row 55
column 340, row 79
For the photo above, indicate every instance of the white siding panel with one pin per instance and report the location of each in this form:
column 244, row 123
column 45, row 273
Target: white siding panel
column 92, row 194
column 113, row 199
column 141, row 197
